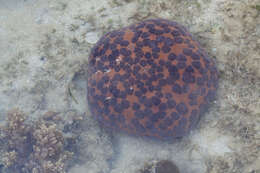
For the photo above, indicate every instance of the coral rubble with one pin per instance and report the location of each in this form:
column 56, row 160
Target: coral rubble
column 36, row 147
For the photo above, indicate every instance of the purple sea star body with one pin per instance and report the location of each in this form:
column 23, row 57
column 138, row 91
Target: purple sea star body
column 151, row 79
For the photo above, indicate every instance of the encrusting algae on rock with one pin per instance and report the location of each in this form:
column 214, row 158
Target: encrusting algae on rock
column 150, row 79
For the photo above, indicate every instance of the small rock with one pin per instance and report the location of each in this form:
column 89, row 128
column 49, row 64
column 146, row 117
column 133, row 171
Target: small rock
column 92, row 37
column 163, row 166
column 166, row 166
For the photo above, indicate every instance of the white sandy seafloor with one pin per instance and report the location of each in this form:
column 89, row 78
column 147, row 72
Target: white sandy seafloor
column 44, row 49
